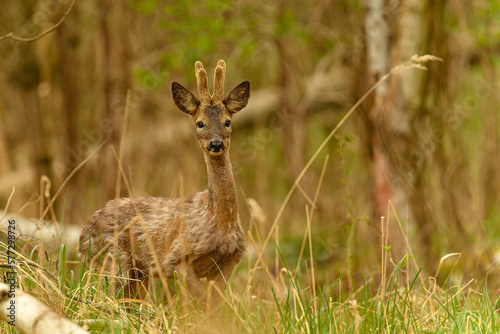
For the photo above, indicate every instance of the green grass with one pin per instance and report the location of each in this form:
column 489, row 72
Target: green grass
column 282, row 301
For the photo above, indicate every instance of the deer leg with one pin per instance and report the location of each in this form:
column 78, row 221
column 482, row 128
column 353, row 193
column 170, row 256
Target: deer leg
column 221, row 277
column 193, row 284
column 138, row 284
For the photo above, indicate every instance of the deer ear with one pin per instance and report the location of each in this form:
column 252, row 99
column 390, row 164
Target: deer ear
column 184, row 99
column 238, row 98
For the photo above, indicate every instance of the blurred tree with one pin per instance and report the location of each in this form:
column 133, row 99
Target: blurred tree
column 394, row 107
column 33, row 75
column 410, row 152
column 114, row 19
column 68, row 69
column 5, row 164
column 291, row 116
column 377, row 64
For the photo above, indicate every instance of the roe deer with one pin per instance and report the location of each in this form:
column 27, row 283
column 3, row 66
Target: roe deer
column 197, row 236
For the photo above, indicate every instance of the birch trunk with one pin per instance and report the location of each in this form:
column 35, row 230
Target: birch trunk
column 377, row 36
column 407, row 108
column 394, row 107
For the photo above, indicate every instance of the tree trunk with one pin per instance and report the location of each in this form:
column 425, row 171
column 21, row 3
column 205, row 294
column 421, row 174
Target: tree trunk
column 377, row 39
column 4, row 154
column 292, row 118
column 116, row 72
column 394, row 107
column 68, row 66
column 407, row 100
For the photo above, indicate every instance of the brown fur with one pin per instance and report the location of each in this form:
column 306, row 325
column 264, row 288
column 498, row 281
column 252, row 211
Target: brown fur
column 197, row 236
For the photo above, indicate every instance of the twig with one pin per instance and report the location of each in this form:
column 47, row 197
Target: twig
column 46, row 32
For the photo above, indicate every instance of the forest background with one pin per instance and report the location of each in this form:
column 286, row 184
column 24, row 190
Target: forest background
column 423, row 148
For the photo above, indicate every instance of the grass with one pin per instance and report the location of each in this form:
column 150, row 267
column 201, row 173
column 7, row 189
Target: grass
column 283, row 302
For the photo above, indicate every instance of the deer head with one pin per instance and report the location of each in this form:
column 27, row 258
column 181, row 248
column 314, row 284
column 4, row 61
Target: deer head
column 212, row 114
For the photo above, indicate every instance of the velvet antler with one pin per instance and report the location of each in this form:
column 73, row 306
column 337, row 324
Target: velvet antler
column 202, row 80
column 220, row 71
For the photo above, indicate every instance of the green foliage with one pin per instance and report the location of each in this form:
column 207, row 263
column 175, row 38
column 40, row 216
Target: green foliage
column 241, row 31
column 285, row 24
column 144, row 6
column 150, row 79
column 200, row 28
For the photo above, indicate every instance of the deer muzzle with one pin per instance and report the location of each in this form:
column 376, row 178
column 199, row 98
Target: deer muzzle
column 216, row 147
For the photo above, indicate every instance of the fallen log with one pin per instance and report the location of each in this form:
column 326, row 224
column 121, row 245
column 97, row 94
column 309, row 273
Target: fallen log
column 46, row 232
column 31, row 316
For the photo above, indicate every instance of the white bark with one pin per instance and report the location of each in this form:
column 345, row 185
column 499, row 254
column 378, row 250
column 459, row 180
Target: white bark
column 377, row 39
column 30, row 315
column 413, row 29
column 378, row 63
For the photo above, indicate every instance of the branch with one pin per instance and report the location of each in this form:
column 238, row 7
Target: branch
column 48, row 31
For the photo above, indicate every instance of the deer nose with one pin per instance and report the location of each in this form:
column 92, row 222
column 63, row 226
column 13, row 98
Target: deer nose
column 216, row 146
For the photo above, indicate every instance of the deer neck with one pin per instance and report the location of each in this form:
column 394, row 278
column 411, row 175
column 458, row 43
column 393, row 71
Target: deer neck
column 222, row 197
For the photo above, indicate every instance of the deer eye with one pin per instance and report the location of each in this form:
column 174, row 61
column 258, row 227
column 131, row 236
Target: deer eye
column 200, row 125
column 227, row 124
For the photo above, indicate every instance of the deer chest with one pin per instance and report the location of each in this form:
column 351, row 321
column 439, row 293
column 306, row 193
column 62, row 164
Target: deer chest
column 209, row 264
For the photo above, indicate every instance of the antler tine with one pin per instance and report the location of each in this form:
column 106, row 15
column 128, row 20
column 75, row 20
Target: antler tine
column 220, row 71
column 202, row 80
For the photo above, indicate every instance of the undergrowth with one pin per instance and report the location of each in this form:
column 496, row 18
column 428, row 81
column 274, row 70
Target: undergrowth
column 398, row 300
